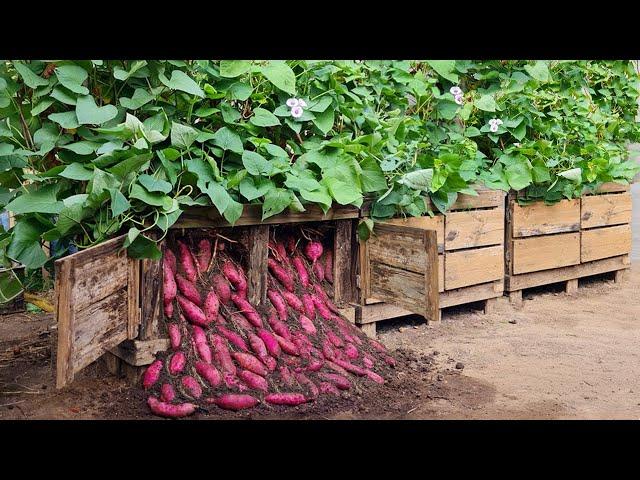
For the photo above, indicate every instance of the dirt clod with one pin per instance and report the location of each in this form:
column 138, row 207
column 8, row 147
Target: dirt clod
column 459, row 366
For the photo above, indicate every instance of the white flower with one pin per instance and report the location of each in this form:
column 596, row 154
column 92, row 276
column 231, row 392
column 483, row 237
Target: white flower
column 455, row 91
column 495, row 121
column 493, row 128
column 459, row 99
column 302, row 103
column 498, row 121
column 292, row 102
column 517, row 145
column 296, row 112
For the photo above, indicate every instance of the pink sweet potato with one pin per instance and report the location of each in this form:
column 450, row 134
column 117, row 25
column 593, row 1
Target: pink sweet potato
column 191, row 386
column 247, row 310
column 270, row 362
column 186, row 262
column 336, row 368
column 211, row 306
column 293, row 301
column 253, row 380
column 328, row 351
column 325, row 298
column 303, row 275
column 338, row 380
column 241, row 322
column 279, row 327
column 169, row 287
column 368, row 361
column 326, row 387
column 270, row 341
column 199, row 336
column 321, row 307
column 204, row 255
column 177, row 363
column 235, row 401
column 235, row 277
column 233, row 338
column 209, row 373
column 220, row 320
column 165, row 409
column 287, row 346
column 377, row 345
column 222, row 355
column 152, row 374
column 313, row 251
column 351, row 351
column 389, row 360
column 309, row 306
column 249, row 362
column 315, row 364
column 278, row 303
column 350, row 367
column 168, row 309
column 257, row 345
column 307, row 325
column 291, row 244
column 282, row 252
column 222, row 288
column 374, row 376
column 192, row 312
column 286, row 375
column 334, row 339
column 281, row 275
column 204, row 351
column 328, row 266
column 169, row 259
column 167, row 393
column 175, row 336
column 318, row 271
column 285, row 398
column 303, row 346
column 305, row 381
column 188, row 290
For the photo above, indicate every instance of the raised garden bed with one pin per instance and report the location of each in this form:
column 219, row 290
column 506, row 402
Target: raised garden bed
column 470, row 266
column 568, row 240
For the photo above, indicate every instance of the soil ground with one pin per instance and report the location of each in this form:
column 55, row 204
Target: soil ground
column 557, row 357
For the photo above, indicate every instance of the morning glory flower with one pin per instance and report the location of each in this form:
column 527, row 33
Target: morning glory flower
column 296, row 112
column 459, row 99
column 455, row 91
column 302, row 103
column 493, row 128
column 293, row 102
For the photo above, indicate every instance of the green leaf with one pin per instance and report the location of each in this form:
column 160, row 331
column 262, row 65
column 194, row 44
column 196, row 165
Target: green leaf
column 539, row 71
column 63, row 96
column 418, row 179
column 41, row 107
column 182, row 136
column 255, row 187
column 31, row 80
column 88, row 113
column 65, row 119
column 240, row 91
column 122, row 75
column 540, row 172
column 119, row 203
column 233, row 211
column 72, row 77
column 256, row 164
column 445, row 68
column 227, row 139
column 155, row 199
column 153, row 184
column 140, row 97
column 276, row 151
column 263, row 118
column 372, row 178
column 218, row 195
column 486, row 103
column 234, row 68
column 365, row 228
column 83, row 147
column 343, row 192
column 324, row 120
column 280, row 75
column 320, row 105
column 10, row 286
column 142, row 247
column 77, row 171
column 574, row 174
column 320, row 196
column 275, row 202
column 518, row 173
column 42, row 200
column 183, row 82
column 25, row 244
column 73, row 213
column 130, row 164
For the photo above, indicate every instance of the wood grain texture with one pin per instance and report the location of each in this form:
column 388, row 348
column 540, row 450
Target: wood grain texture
column 257, row 271
column 343, row 253
column 485, row 198
column 473, row 293
column 472, row 267
column 611, row 187
column 151, row 309
column 603, row 210
column 541, row 219
column 474, row 228
column 140, row 352
column 426, row 223
column 398, row 246
column 605, row 242
column 548, row 251
column 514, row 283
column 399, row 287
column 65, row 317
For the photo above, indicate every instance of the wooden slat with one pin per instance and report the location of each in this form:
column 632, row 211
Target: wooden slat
column 399, row 287
column 473, row 293
column 133, row 299
column 65, row 317
column 608, row 209
column 486, row 198
column 151, row 309
column 441, row 273
column 257, row 271
column 610, row 187
column 541, row 219
column 381, row 311
column 398, row 246
column 343, row 277
column 474, row 228
column 426, row 222
column 196, row 217
column 545, row 252
column 545, row 277
column 140, row 352
column 605, row 242
column 472, row 267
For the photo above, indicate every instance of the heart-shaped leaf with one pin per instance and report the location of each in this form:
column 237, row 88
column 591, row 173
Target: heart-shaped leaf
column 89, row 113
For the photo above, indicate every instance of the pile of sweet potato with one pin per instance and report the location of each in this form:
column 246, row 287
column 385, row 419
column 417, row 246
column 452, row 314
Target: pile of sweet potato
column 228, row 353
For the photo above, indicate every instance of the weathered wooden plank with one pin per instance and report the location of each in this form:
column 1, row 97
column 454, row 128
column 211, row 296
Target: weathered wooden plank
column 140, row 352
column 535, row 279
column 195, row 217
column 398, row 246
column 398, row 287
column 441, row 273
column 426, row 223
column 343, row 274
column 485, row 198
column 133, row 298
column 381, row 311
column 64, row 283
column 545, row 252
column 610, row 187
column 257, row 271
column 605, row 242
column 603, row 210
column 151, row 309
column 474, row 293
column 474, row 228
column 541, row 219
column 472, row 267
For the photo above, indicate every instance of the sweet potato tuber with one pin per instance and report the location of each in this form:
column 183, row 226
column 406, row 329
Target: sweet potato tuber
column 222, row 288
column 318, row 271
column 169, row 287
column 325, row 298
column 374, row 376
column 281, row 274
column 233, row 338
column 209, row 373
column 177, row 363
column 249, row 362
column 191, row 386
column 192, row 312
column 377, row 345
column 235, row 277
column 313, row 251
column 235, row 401
column 168, row 309
column 253, row 380
column 334, row 339
column 309, row 306
column 257, row 345
column 368, row 361
column 321, row 307
column 328, row 266
column 222, row 355
column 278, row 303
column 326, row 387
column 279, row 327
column 270, row 341
column 389, row 360
column 211, row 306
column 327, row 350
column 247, row 310
column 201, row 345
column 304, row 380
column 350, row 367
column 285, row 398
column 315, row 364
column 188, row 290
column 307, row 325
column 167, row 393
column 152, row 374
column 169, row 259
column 336, row 368
column 204, row 255
column 338, row 380
column 351, row 351
column 303, row 275
column 287, row 346
column 286, row 375
column 175, row 337
column 282, row 252
column 186, row 262
column 293, row 301
column 165, row 409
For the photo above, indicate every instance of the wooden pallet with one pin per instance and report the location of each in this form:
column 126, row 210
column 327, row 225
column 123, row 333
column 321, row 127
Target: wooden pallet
column 568, row 240
column 470, row 259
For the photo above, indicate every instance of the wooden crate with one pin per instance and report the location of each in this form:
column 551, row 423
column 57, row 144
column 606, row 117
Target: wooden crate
column 470, row 245
column 568, row 240
column 108, row 305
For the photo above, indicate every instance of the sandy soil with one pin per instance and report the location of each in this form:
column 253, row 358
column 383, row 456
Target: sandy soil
column 557, row 357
